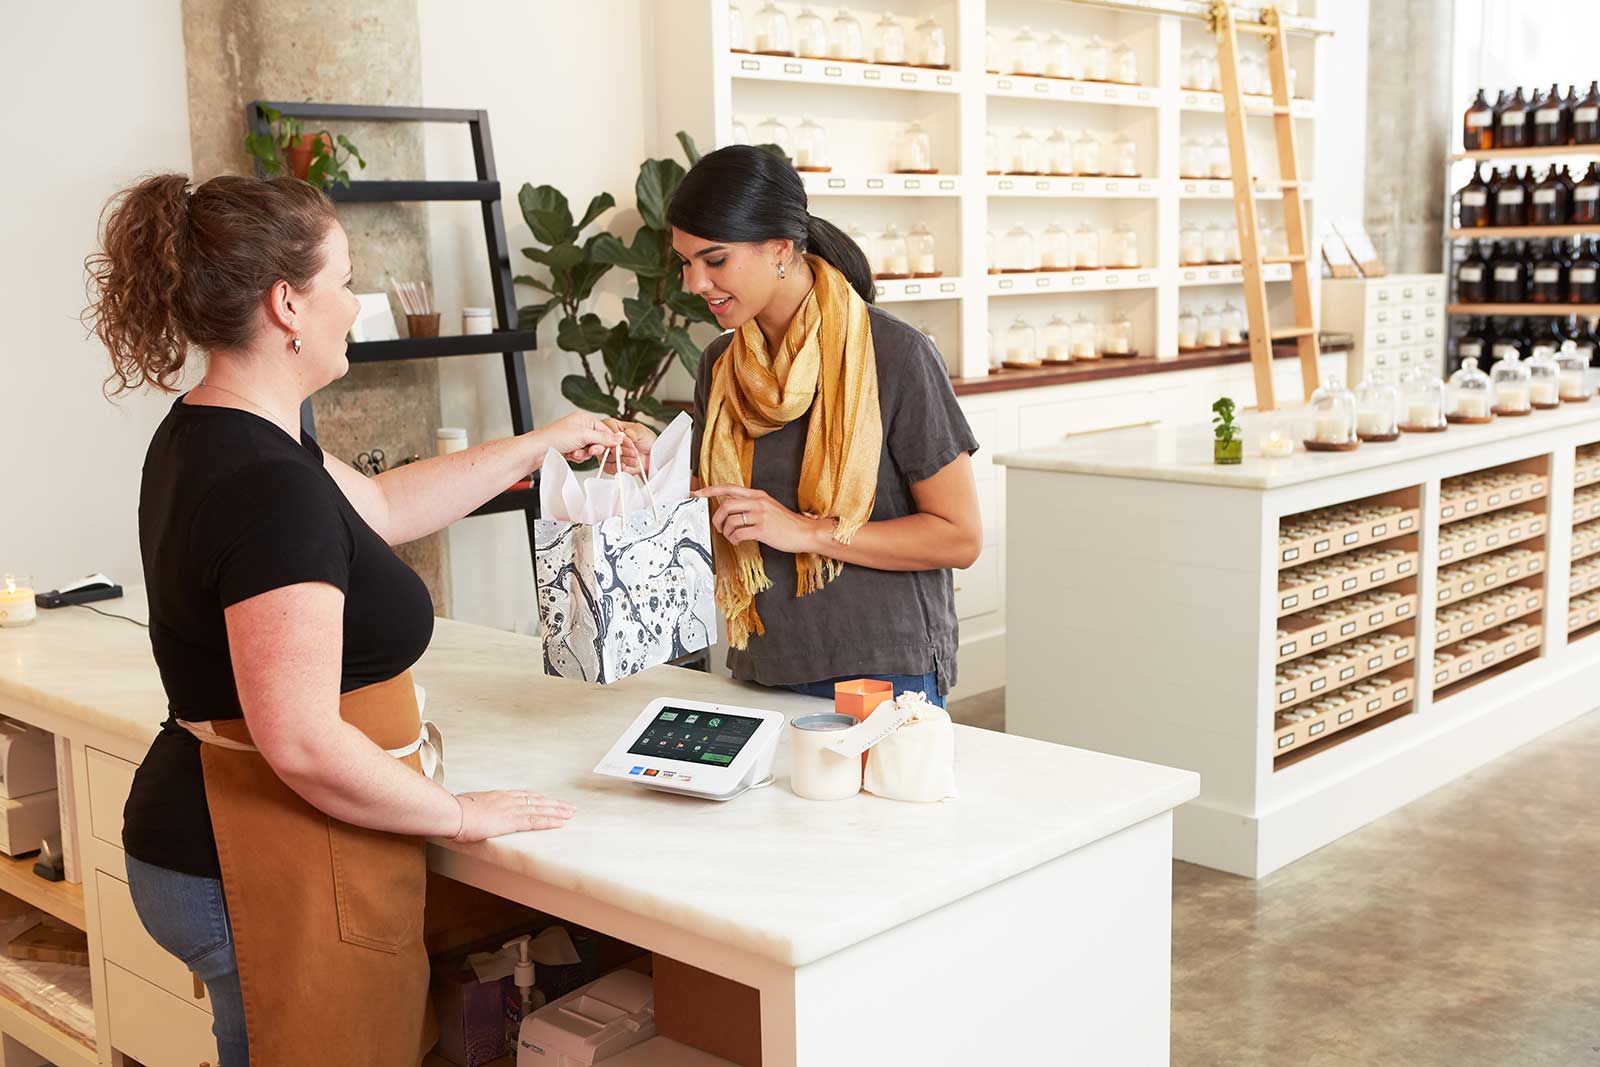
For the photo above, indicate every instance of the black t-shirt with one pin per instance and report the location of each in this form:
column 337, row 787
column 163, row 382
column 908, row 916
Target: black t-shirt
column 231, row 507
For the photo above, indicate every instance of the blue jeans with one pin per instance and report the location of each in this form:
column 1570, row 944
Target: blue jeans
column 186, row 915
column 926, row 684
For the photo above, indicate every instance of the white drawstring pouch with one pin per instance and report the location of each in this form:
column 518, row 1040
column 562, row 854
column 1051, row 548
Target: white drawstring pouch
column 911, row 750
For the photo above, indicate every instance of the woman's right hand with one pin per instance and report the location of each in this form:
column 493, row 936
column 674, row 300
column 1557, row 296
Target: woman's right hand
column 494, row 812
column 636, row 452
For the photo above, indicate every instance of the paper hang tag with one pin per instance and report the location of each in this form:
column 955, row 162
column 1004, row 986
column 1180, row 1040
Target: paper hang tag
column 885, row 719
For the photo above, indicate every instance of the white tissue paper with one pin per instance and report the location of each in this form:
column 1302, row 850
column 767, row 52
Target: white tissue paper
column 911, row 750
column 563, row 495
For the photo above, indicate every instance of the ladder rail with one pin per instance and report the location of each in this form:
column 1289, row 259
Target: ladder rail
column 1294, row 206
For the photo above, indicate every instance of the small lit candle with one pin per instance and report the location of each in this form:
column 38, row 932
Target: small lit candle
column 1511, row 397
column 1277, row 445
column 16, row 602
column 1472, row 406
column 1544, row 391
column 1423, row 414
column 1019, row 354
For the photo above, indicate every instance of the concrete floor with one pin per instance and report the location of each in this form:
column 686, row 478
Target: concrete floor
column 1463, row 929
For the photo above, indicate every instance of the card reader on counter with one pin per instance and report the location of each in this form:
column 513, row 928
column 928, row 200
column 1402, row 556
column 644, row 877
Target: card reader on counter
column 717, row 751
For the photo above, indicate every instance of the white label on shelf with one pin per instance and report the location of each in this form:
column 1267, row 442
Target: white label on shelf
column 1469, row 546
column 1286, row 696
column 1372, row 664
column 1287, row 650
column 1352, row 538
column 1375, row 618
column 1320, row 593
column 1490, row 619
column 1349, row 584
column 1402, row 610
column 1549, row 275
column 874, row 183
column 1346, row 716
column 872, row 75
column 1479, row 119
column 1345, row 629
column 1402, row 567
column 1586, row 192
column 1516, row 494
column 1379, row 575
column 1322, row 546
column 793, row 68
column 1291, row 554
column 1319, row 639
column 1380, row 529
column 833, row 72
column 1445, row 594
column 1316, row 728
column 1441, row 677
column 1492, row 540
column 1467, row 587
column 1442, row 636
column 1405, row 524
column 1319, row 684
column 1289, row 602
column 1079, row 187
column 1474, row 199
column 944, row 79
column 749, row 64
column 1446, row 553
column 1286, row 740
column 1544, row 196
column 838, row 183
column 1508, row 196
column 1400, row 694
column 1507, row 274
column 1467, row 627
column 1546, row 116
column 1491, row 579
column 1583, row 275
column 1041, row 87
column 1347, row 673
column 1374, row 704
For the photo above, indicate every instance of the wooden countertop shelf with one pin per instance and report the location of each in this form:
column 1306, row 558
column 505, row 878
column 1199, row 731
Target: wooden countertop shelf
column 1336, row 535
column 1557, row 151
column 1583, row 612
column 1585, row 505
column 64, row 900
column 1585, row 577
column 1590, row 310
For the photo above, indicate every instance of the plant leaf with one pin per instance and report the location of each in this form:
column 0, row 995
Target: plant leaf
column 582, row 336
column 545, row 211
column 646, row 256
column 598, row 206
column 689, row 306
column 561, row 256
column 532, row 282
column 631, row 362
column 530, row 316
column 647, row 319
column 689, row 148
column 587, row 395
column 320, row 172
column 688, row 352
column 658, row 179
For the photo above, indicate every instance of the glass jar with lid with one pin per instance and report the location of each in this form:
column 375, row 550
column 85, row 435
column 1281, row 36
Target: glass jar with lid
column 1022, row 344
column 1213, row 70
column 891, row 41
column 1083, row 339
column 1018, row 252
column 1235, row 253
column 1218, row 165
column 774, row 132
column 1544, row 378
column 993, row 54
column 1086, row 155
column 1249, row 73
column 1124, row 64
column 1086, row 247
column 869, row 246
column 1123, row 252
column 1191, row 245
column 997, row 354
column 846, row 39
column 1057, row 340
column 770, row 32
column 1124, row 157
column 1026, row 155
column 991, row 248
column 1118, row 336
column 1333, row 419
column 1096, row 61
column 1471, row 399
column 1026, row 55
column 1058, row 153
column 913, row 151
column 1216, row 244
column 1188, row 329
column 1574, row 374
column 1377, row 409
column 738, row 32
column 1210, row 328
column 1232, row 323
column 1193, row 73
column 740, row 133
column 1058, row 57
column 894, row 254
column 924, row 261
column 1422, row 398
column 810, row 35
column 810, row 147
column 1512, row 386
column 1192, row 161
column 994, row 160
column 1055, row 249
column 928, row 45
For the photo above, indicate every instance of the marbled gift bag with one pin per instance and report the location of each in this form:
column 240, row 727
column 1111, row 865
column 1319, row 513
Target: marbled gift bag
column 623, row 587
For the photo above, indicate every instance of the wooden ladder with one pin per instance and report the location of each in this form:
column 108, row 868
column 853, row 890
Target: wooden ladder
column 1227, row 29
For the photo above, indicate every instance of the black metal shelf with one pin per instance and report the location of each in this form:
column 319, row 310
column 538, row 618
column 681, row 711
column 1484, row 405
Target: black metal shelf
column 417, row 191
column 467, row 344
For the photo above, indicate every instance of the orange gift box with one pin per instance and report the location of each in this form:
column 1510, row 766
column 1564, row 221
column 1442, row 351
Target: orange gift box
column 858, row 698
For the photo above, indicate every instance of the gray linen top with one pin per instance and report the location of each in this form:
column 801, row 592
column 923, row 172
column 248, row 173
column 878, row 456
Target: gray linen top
column 865, row 621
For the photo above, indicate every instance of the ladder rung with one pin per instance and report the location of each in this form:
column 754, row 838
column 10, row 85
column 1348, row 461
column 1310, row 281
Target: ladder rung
column 1256, row 28
column 1281, row 109
column 1283, row 259
column 1293, row 332
column 1276, row 183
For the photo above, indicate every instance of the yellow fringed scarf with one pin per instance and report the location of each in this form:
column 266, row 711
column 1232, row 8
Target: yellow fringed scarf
column 826, row 364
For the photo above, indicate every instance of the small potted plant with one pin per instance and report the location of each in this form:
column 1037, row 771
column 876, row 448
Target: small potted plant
column 311, row 157
column 1228, row 448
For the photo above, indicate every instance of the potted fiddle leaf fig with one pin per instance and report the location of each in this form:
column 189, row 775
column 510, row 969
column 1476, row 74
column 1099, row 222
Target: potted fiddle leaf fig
column 1228, row 448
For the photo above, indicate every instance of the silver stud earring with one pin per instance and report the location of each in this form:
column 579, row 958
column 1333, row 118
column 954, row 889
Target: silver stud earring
column 780, row 270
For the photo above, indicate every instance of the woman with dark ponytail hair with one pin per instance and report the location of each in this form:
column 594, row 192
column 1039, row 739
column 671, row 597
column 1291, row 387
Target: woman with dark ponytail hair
column 828, row 433
column 274, row 832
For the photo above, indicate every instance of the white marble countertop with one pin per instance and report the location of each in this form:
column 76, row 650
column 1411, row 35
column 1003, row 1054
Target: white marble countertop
column 1182, row 453
column 769, row 873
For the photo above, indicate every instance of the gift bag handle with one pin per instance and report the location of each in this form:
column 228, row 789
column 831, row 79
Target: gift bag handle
column 621, row 480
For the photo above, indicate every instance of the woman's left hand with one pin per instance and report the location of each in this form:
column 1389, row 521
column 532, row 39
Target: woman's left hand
column 752, row 515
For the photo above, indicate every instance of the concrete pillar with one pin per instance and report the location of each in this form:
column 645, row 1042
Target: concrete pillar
column 244, row 50
column 1408, row 115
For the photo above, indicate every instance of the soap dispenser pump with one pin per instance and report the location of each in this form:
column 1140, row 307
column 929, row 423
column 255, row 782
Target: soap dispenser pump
column 522, row 975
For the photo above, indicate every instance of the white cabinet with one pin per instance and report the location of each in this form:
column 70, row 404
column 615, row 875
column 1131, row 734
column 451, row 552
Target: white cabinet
column 1398, row 322
column 155, row 1027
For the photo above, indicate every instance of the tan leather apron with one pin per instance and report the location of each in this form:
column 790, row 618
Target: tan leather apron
column 326, row 917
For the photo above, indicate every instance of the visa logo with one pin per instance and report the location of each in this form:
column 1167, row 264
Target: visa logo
column 637, row 770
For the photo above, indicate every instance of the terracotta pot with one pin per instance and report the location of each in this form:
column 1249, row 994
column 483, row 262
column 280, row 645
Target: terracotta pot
column 298, row 156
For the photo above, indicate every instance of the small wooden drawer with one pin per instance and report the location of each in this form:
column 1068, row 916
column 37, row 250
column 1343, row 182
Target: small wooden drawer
column 1477, row 537
column 1476, row 494
column 977, row 588
column 1469, row 656
column 1487, row 572
column 110, row 780
column 125, row 943
column 1344, row 664
column 1301, row 588
column 1339, row 711
column 155, row 1027
column 1585, row 576
column 1588, row 469
column 1298, row 544
column 1586, row 504
column 1312, row 631
column 1584, row 611
column 1586, row 540
column 1485, row 611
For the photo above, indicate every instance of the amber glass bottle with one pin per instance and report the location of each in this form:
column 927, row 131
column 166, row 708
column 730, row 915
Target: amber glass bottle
column 1549, row 202
column 1477, row 125
column 1512, row 129
column 1509, row 283
column 1550, row 120
column 1510, row 200
column 1583, row 276
column 1472, row 202
column 1586, row 117
column 1472, row 277
column 1586, row 198
column 1547, row 280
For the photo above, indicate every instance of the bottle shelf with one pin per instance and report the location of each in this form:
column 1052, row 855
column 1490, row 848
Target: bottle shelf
column 1525, row 309
column 1071, row 281
column 1308, row 632
column 1462, row 580
column 1476, row 537
column 1524, row 232
column 1505, row 646
column 1479, row 613
column 847, row 73
column 1478, row 494
column 1342, row 665
column 1569, row 151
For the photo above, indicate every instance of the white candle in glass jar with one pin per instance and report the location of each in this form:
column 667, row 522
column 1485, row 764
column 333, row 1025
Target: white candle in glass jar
column 1087, row 258
column 1084, row 349
column 1372, row 423
column 1019, row 354
column 1059, row 353
column 896, row 264
column 1188, row 338
column 1332, row 429
column 1210, row 337
column 1472, row 406
column 1049, row 259
column 925, row 263
column 1511, row 397
column 1544, row 391
column 1422, row 413
column 1118, row 346
column 17, row 607
column 1231, row 335
column 448, row 439
column 1277, row 445
column 1572, row 385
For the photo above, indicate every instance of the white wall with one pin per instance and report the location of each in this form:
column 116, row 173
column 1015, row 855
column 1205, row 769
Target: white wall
column 1501, row 44
column 1341, row 95
column 568, row 90
column 92, row 95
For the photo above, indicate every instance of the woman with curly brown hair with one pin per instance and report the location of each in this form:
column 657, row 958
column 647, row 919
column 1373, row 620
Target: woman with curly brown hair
column 274, row 833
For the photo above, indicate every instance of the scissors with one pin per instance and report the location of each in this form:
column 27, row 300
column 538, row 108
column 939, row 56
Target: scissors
column 370, row 463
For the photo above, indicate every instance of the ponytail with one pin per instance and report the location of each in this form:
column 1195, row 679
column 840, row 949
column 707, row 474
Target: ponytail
column 746, row 195
column 177, row 269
